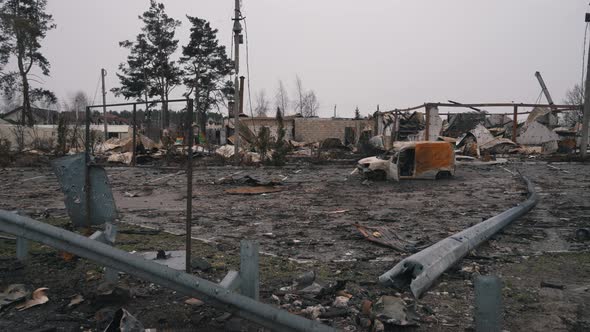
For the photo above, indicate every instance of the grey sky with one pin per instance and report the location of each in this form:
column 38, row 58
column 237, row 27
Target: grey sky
column 389, row 52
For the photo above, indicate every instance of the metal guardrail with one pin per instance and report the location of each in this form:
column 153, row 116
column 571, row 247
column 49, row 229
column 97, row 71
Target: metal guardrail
column 214, row 294
column 423, row 268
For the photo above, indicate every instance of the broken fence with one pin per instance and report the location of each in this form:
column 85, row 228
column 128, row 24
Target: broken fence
column 214, row 294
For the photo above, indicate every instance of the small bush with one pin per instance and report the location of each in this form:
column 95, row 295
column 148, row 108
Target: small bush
column 5, row 155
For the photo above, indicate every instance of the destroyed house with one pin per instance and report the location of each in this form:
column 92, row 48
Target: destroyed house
column 300, row 129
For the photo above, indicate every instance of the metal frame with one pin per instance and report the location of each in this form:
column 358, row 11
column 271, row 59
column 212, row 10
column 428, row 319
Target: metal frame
column 423, row 268
column 214, row 294
column 428, row 106
column 189, row 165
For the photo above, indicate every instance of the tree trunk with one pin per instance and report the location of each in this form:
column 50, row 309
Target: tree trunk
column 26, row 111
column 165, row 114
column 199, row 113
column 203, row 115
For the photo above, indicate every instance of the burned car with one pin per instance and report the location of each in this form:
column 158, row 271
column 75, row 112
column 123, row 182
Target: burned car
column 411, row 160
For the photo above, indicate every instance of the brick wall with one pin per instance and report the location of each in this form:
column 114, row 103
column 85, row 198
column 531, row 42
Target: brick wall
column 254, row 124
column 317, row 129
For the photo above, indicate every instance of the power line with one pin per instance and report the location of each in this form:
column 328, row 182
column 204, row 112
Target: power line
column 231, row 54
column 96, row 90
column 248, row 67
column 248, row 72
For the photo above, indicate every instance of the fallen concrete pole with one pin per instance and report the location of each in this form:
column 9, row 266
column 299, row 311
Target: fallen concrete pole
column 422, row 269
column 214, row 294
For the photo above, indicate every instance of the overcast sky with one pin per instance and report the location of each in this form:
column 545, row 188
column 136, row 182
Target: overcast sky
column 388, row 52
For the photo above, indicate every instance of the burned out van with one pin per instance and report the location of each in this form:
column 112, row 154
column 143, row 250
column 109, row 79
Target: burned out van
column 411, row 160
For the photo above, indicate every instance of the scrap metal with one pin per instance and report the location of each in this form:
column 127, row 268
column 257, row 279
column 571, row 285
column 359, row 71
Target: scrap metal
column 82, row 194
column 422, row 269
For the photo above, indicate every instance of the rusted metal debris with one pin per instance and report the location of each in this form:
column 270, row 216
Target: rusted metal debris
column 387, row 237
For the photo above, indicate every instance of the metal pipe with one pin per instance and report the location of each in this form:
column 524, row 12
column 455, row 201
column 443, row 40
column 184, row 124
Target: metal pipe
column 586, row 107
column 515, row 124
column 103, row 74
column 215, row 295
column 427, row 127
column 189, row 184
column 504, row 105
column 134, row 151
column 87, row 183
column 473, row 108
column 422, row 269
column 555, row 107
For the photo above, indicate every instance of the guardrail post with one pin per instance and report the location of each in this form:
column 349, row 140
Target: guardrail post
column 221, row 298
column 110, row 233
column 22, row 249
column 107, row 237
column 488, row 304
column 231, row 280
column 249, row 274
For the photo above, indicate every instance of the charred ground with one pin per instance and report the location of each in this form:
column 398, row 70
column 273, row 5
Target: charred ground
column 308, row 226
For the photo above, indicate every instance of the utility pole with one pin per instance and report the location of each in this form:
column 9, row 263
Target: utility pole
column 237, row 39
column 334, row 111
column 103, row 74
column 586, row 118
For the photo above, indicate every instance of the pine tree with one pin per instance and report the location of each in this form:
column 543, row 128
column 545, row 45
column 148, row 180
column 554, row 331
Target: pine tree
column 281, row 148
column 23, row 25
column 133, row 75
column 206, row 68
column 150, row 68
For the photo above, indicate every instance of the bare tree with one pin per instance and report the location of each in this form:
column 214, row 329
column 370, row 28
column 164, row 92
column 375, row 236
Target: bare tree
column 282, row 98
column 574, row 96
column 300, row 94
column 262, row 104
column 76, row 108
column 310, row 104
column 77, row 105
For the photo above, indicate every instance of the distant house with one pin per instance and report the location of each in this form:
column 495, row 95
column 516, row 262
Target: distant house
column 44, row 119
column 117, row 126
column 96, row 118
column 40, row 116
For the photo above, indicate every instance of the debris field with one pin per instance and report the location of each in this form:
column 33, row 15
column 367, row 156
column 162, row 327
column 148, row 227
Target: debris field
column 315, row 261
